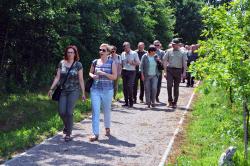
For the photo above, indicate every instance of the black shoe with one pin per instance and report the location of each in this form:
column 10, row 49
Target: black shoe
column 134, row 101
column 174, row 105
column 64, row 130
column 157, row 100
column 125, row 105
column 67, row 138
column 153, row 105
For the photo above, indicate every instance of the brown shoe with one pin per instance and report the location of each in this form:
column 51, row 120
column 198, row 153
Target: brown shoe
column 93, row 138
column 170, row 104
column 107, row 132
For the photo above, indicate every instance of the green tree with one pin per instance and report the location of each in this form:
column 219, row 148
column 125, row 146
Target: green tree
column 188, row 19
column 34, row 37
column 33, row 34
column 226, row 62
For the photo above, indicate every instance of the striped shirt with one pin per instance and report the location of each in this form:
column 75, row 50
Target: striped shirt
column 103, row 82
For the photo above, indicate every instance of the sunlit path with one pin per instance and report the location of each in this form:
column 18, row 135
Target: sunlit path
column 139, row 137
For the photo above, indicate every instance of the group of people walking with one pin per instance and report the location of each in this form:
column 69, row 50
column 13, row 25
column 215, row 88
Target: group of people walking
column 142, row 67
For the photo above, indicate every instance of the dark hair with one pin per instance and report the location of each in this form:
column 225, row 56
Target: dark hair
column 77, row 57
column 151, row 48
column 113, row 48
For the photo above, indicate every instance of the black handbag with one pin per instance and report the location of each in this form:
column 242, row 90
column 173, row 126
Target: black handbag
column 88, row 84
column 90, row 80
column 57, row 93
column 159, row 65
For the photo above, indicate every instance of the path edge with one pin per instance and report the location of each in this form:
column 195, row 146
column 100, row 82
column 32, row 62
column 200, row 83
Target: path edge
column 177, row 130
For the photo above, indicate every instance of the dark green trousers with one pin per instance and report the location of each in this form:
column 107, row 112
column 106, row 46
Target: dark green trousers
column 173, row 80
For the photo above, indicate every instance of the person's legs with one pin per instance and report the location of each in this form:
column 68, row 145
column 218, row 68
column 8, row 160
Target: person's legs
column 125, row 85
column 177, row 80
column 141, row 89
column 154, row 81
column 71, row 100
column 192, row 81
column 188, row 79
column 95, row 104
column 170, row 80
column 158, row 86
column 147, row 90
column 115, row 87
column 106, row 98
column 131, row 79
column 135, row 88
column 62, row 105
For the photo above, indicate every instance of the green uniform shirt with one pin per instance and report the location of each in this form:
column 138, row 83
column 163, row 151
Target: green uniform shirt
column 175, row 59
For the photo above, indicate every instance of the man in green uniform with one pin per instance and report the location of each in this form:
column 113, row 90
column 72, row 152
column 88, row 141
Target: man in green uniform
column 174, row 61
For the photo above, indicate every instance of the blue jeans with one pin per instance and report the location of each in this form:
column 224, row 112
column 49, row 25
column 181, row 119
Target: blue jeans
column 100, row 99
column 150, row 86
column 66, row 107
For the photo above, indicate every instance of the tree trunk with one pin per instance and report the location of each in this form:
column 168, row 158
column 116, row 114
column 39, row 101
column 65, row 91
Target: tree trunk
column 3, row 51
column 246, row 127
column 231, row 94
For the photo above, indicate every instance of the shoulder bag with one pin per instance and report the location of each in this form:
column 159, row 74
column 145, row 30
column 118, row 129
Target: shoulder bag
column 90, row 80
column 57, row 93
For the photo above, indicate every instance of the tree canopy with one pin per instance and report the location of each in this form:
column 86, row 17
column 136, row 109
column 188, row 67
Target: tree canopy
column 33, row 34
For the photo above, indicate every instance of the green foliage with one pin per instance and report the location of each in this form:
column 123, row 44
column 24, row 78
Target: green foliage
column 225, row 62
column 214, row 126
column 188, row 19
column 33, row 34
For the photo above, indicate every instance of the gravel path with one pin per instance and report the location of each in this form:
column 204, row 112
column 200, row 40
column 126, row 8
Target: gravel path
column 139, row 138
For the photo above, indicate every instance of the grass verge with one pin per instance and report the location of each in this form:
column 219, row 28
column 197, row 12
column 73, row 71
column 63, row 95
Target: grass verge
column 214, row 126
column 26, row 120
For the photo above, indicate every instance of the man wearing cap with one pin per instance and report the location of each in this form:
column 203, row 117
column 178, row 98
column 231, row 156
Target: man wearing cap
column 174, row 61
column 160, row 53
column 129, row 60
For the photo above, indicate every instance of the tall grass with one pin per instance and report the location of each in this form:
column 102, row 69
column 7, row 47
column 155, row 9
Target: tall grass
column 215, row 125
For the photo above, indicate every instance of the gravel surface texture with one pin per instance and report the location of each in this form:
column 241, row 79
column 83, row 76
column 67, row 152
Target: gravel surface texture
column 139, row 137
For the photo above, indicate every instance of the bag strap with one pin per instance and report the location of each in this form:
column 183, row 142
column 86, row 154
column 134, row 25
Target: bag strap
column 94, row 64
column 68, row 73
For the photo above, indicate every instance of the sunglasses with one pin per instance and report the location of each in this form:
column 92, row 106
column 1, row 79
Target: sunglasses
column 103, row 50
column 70, row 52
column 157, row 45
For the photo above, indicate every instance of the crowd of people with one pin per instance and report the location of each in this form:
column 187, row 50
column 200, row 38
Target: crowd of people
column 136, row 68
